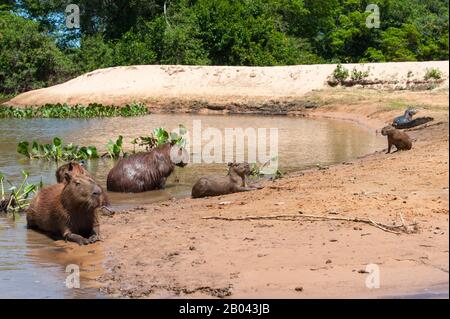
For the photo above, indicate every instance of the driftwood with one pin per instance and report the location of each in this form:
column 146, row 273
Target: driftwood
column 387, row 228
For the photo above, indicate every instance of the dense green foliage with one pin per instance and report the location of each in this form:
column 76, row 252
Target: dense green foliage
column 77, row 111
column 36, row 49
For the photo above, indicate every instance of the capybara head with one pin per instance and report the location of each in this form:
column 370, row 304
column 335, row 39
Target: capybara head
column 410, row 112
column 73, row 168
column 387, row 129
column 179, row 155
column 80, row 191
column 241, row 169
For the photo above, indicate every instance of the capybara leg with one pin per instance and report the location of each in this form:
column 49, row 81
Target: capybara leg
column 95, row 236
column 389, row 148
column 162, row 183
column 80, row 240
column 244, row 189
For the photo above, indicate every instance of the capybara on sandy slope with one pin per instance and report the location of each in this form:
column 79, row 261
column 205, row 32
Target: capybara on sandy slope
column 68, row 209
column 396, row 137
column 75, row 169
column 215, row 185
column 146, row 171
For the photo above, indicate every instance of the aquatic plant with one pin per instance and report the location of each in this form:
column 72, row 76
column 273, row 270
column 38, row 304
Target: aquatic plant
column 161, row 136
column 258, row 171
column 57, row 150
column 19, row 197
column 114, row 149
column 77, row 111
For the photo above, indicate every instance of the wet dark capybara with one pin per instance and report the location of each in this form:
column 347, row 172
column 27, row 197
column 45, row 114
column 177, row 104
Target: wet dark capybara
column 396, row 137
column 405, row 118
column 215, row 185
column 68, row 210
column 75, row 169
column 146, row 171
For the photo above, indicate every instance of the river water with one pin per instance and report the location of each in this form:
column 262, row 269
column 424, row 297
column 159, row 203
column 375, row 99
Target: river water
column 34, row 266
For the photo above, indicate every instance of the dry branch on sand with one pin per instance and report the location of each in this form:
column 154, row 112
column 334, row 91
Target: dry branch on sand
column 395, row 229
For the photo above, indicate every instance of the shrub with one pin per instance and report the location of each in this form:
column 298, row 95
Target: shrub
column 340, row 74
column 433, row 73
column 358, row 75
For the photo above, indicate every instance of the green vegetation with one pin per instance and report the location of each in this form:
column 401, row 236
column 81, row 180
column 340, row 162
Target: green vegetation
column 77, row 111
column 37, row 49
column 356, row 75
column 19, row 197
column 433, row 73
column 340, row 74
column 161, row 136
column 114, row 149
column 57, row 151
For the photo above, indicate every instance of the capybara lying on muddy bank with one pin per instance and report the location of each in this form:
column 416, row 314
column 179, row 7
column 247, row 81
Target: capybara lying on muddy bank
column 68, row 209
column 215, row 185
column 396, row 137
column 146, row 171
column 74, row 168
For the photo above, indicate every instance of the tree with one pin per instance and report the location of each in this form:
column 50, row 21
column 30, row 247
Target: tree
column 29, row 59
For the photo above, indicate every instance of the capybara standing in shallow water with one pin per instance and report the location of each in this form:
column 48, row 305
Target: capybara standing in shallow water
column 68, row 209
column 74, row 168
column 396, row 137
column 146, row 171
column 215, row 185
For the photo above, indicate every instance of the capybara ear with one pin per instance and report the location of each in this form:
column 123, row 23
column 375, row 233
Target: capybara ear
column 67, row 178
column 70, row 166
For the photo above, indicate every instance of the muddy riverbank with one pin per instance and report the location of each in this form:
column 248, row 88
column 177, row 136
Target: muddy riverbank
column 168, row 249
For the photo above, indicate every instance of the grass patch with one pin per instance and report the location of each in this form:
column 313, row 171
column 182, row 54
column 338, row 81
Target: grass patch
column 402, row 106
column 77, row 111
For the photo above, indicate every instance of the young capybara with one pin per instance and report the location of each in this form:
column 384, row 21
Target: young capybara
column 68, row 209
column 75, row 169
column 215, row 185
column 146, row 171
column 396, row 137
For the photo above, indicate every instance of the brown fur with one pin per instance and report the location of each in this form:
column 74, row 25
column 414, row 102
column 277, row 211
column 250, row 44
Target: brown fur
column 67, row 210
column 142, row 171
column 215, row 185
column 396, row 137
column 75, row 169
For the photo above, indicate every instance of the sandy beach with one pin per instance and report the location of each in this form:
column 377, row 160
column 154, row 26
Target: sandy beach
column 169, row 249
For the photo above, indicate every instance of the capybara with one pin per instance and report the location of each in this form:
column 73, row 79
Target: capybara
column 146, row 171
column 396, row 137
column 215, row 185
column 75, row 169
column 68, row 209
column 404, row 119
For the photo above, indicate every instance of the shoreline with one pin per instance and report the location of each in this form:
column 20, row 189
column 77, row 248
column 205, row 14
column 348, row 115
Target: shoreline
column 166, row 250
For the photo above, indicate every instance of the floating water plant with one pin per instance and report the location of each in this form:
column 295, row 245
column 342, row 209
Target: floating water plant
column 57, row 151
column 18, row 198
column 77, row 111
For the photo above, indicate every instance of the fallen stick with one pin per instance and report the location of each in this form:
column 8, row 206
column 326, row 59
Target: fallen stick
column 384, row 227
